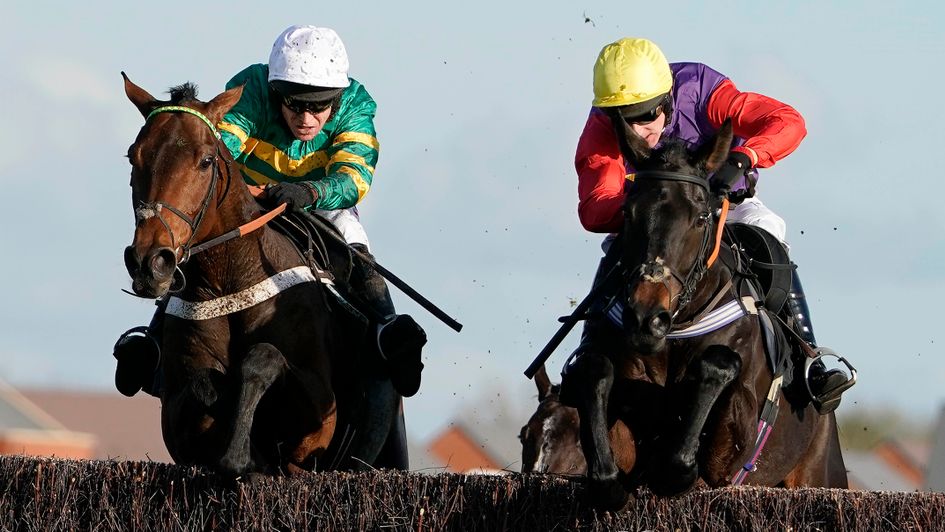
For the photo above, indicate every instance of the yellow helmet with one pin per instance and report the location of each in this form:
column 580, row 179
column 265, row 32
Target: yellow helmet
column 630, row 71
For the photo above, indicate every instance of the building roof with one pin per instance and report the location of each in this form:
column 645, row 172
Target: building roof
column 496, row 434
column 127, row 428
column 18, row 413
column 869, row 471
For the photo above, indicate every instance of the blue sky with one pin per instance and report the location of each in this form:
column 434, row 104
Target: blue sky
column 474, row 201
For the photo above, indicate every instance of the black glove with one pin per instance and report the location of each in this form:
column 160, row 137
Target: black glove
column 294, row 195
column 733, row 169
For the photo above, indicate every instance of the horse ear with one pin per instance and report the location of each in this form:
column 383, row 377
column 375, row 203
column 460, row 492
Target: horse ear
column 714, row 152
column 542, row 382
column 633, row 147
column 222, row 103
column 140, row 97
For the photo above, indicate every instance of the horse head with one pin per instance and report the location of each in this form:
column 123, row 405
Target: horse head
column 551, row 438
column 180, row 170
column 670, row 220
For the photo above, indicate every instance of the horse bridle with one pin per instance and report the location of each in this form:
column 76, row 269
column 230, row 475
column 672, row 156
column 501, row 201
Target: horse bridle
column 154, row 208
column 707, row 252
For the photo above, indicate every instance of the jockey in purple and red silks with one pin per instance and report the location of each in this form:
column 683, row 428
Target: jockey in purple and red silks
column 688, row 101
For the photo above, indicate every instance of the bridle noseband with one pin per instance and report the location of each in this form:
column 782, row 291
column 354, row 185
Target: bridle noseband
column 707, row 252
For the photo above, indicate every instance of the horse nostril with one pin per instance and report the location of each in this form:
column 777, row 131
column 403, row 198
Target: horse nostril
column 659, row 324
column 163, row 263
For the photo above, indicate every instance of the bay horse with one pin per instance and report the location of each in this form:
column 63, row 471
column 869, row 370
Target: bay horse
column 699, row 408
column 550, row 440
column 261, row 366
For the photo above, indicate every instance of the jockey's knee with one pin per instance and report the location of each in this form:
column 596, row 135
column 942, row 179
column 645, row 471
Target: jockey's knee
column 371, row 287
column 753, row 212
column 348, row 224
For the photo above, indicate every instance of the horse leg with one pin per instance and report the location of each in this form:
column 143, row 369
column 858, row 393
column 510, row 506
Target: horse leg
column 394, row 453
column 836, row 471
column 592, row 376
column 260, row 368
column 714, row 371
column 189, row 418
column 373, row 424
column 822, row 465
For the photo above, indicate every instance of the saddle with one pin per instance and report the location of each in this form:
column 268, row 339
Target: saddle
column 761, row 259
column 328, row 257
column 762, row 271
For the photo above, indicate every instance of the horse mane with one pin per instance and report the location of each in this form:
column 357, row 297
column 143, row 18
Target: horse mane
column 673, row 155
column 183, row 93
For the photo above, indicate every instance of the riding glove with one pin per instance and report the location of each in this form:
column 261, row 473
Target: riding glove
column 733, row 169
column 296, row 196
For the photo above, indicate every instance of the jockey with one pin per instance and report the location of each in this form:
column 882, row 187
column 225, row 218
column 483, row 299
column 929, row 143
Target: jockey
column 688, row 101
column 305, row 130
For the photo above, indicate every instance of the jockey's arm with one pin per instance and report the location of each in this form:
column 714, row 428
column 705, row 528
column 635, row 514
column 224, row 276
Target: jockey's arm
column 352, row 157
column 602, row 176
column 771, row 129
column 238, row 127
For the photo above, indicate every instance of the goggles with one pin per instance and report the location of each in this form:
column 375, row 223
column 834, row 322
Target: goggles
column 645, row 117
column 299, row 107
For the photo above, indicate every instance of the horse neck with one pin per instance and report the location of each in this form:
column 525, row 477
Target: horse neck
column 233, row 263
column 236, row 205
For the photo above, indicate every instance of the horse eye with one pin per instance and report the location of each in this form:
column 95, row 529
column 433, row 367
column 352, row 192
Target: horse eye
column 206, row 162
column 702, row 220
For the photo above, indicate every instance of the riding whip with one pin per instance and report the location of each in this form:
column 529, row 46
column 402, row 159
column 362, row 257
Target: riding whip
column 568, row 322
column 387, row 274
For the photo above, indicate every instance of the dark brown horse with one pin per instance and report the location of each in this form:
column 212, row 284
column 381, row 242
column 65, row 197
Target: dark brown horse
column 550, row 439
column 694, row 404
column 257, row 356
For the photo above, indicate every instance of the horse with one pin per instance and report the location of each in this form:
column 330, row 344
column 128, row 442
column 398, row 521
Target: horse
column 263, row 370
column 550, row 440
column 696, row 409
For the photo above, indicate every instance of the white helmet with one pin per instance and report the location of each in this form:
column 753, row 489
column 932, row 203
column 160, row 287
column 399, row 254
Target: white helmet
column 311, row 56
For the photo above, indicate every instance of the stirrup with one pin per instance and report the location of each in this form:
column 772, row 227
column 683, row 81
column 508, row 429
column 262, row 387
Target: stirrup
column 403, row 358
column 134, row 370
column 142, row 331
column 826, row 404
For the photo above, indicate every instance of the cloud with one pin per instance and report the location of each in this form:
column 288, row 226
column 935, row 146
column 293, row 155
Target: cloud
column 68, row 80
column 64, row 110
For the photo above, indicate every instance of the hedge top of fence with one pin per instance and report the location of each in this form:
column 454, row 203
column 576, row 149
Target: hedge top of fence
column 51, row 494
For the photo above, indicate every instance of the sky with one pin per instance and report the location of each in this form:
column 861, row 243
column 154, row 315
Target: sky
column 474, row 199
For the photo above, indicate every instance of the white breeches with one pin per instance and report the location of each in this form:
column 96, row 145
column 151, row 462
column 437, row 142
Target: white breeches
column 348, row 223
column 753, row 212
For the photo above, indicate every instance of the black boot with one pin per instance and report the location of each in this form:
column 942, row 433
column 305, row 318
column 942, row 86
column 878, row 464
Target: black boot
column 400, row 339
column 595, row 332
column 826, row 386
column 569, row 393
column 138, row 355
